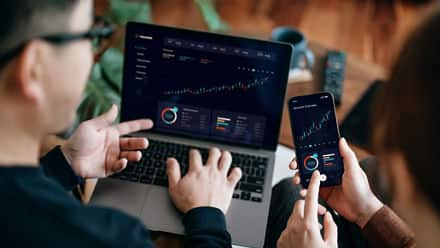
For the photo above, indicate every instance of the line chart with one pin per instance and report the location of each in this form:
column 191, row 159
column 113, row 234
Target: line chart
column 315, row 127
column 238, row 86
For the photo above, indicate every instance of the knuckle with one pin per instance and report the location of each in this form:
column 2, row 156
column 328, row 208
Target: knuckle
column 226, row 154
column 280, row 241
column 298, row 203
column 294, row 227
column 197, row 170
column 172, row 190
column 308, row 225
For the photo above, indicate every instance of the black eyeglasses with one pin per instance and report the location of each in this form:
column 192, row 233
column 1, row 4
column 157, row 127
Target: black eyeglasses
column 96, row 35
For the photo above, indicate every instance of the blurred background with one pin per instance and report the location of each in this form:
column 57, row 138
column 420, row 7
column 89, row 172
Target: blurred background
column 369, row 29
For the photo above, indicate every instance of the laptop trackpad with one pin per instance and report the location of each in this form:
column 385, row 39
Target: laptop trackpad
column 123, row 195
column 159, row 213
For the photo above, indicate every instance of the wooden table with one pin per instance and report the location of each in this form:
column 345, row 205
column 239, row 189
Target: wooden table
column 359, row 75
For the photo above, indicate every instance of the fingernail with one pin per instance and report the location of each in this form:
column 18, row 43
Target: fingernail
column 344, row 140
column 239, row 171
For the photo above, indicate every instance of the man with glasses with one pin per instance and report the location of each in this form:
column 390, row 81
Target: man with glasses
column 45, row 60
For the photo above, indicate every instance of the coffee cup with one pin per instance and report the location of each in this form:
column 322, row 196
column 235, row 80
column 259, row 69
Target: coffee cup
column 303, row 57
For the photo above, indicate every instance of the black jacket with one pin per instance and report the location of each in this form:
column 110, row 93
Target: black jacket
column 36, row 211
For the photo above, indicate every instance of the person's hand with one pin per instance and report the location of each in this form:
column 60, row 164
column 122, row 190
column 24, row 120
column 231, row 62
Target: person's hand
column 303, row 228
column 353, row 199
column 95, row 149
column 204, row 185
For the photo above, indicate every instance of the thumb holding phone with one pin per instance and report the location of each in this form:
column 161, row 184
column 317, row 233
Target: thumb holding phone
column 353, row 199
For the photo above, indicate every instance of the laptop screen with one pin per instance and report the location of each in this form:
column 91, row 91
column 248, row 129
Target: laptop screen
column 205, row 86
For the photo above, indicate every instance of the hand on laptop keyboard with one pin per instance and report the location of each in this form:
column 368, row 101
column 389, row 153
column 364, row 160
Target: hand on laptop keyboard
column 203, row 185
column 152, row 168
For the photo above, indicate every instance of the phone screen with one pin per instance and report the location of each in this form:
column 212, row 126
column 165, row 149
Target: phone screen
column 316, row 138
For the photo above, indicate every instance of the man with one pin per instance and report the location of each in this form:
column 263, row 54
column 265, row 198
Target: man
column 45, row 60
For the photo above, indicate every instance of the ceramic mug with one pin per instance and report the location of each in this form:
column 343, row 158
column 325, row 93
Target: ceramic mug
column 303, row 57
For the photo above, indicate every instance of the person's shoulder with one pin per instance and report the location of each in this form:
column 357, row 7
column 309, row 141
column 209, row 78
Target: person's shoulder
column 21, row 179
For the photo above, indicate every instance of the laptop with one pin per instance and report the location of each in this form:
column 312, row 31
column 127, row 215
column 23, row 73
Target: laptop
column 201, row 90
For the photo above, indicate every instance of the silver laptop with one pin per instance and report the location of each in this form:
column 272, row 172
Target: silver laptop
column 201, row 90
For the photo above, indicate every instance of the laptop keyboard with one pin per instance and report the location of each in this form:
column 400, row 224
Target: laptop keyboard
column 151, row 169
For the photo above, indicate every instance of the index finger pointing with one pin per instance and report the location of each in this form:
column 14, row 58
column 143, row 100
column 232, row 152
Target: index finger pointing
column 311, row 204
column 134, row 126
column 297, row 213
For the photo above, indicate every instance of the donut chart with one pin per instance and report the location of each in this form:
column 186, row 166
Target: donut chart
column 311, row 162
column 169, row 115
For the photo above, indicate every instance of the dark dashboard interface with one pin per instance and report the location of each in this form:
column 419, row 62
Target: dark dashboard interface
column 204, row 85
column 316, row 137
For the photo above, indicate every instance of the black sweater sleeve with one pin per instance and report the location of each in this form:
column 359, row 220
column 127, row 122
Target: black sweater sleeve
column 56, row 167
column 206, row 227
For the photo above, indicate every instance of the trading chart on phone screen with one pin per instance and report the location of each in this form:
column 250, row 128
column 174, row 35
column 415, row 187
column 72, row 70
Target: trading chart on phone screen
column 315, row 133
column 316, row 128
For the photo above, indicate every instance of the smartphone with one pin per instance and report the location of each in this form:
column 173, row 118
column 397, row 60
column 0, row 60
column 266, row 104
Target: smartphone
column 316, row 138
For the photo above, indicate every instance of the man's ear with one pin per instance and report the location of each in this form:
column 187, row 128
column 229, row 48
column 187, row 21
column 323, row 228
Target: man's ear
column 28, row 72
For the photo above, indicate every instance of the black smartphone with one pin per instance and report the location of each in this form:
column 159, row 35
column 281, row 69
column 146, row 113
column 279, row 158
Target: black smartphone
column 316, row 138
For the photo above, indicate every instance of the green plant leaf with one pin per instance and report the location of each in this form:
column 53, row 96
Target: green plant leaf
column 212, row 19
column 98, row 96
column 112, row 63
column 122, row 11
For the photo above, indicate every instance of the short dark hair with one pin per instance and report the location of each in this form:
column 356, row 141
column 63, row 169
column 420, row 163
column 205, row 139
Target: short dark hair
column 21, row 20
column 407, row 109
